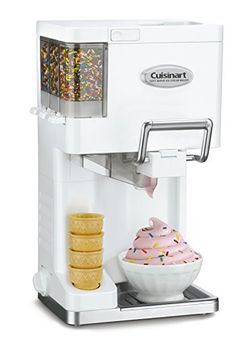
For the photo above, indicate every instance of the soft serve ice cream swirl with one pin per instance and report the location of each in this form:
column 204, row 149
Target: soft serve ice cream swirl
column 159, row 244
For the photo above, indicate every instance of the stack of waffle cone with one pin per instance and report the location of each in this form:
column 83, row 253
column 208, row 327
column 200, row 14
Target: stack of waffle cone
column 85, row 253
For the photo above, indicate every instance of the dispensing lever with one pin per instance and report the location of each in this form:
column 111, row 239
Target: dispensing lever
column 205, row 125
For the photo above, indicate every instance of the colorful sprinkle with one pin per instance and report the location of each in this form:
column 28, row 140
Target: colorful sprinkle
column 144, row 251
column 44, row 54
column 162, row 251
column 176, row 241
column 154, row 245
column 150, row 235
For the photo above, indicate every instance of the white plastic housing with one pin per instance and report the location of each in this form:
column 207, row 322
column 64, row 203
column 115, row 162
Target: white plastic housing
column 168, row 163
column 66, row 187
column 130, row 102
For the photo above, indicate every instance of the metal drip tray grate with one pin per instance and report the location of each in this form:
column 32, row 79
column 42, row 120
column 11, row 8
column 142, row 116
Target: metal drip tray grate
column 197, row 301
column 127, row 297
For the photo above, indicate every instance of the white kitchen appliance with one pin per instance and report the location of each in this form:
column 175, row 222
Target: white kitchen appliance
column 142, row 100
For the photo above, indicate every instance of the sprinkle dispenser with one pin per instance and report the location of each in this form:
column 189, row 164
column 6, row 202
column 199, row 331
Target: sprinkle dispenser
column 73, row 78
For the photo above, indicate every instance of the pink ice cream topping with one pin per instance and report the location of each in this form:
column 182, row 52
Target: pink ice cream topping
column 151, row 186
column 159, row 244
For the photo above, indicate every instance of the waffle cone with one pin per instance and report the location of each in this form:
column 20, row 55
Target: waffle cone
column 86, row 279
column 86, row 223
column 86, row 243
column 86, row 260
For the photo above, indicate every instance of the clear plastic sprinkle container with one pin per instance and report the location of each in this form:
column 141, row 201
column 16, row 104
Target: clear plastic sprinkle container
column 73, row 78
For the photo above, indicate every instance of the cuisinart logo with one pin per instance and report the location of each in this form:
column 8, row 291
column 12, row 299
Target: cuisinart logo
column 167, row 76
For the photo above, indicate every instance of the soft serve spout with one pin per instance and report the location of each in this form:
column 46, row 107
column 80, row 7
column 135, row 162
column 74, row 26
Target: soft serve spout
column 121, row 167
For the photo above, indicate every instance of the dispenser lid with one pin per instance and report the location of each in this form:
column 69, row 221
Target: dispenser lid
column 132, row 31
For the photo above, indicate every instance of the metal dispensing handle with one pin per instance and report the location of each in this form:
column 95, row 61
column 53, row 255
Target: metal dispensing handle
column 205, row 125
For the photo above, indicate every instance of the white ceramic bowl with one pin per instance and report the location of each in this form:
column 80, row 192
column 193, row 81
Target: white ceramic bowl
column 160, row 283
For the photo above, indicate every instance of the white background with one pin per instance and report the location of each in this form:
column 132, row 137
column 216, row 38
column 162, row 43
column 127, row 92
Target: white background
column 211, row 187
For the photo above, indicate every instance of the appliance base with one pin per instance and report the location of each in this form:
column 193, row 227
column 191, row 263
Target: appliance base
column 197, row 301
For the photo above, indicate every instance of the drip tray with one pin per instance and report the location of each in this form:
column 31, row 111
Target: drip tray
column 127, row 297
column 196, row 302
